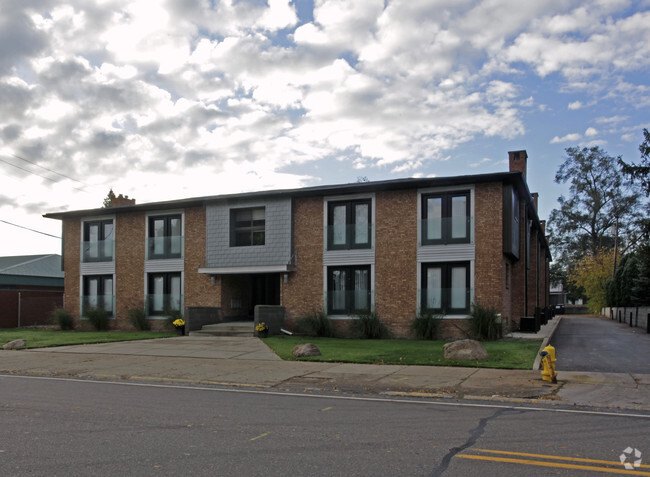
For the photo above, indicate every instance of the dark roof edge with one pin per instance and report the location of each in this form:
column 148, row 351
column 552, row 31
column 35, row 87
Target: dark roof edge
column 350, row 188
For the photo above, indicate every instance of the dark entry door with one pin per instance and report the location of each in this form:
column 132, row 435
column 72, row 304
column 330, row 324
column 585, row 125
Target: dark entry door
column 265, row 290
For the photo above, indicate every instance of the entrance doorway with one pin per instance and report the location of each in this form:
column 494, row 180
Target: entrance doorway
column 264, row 289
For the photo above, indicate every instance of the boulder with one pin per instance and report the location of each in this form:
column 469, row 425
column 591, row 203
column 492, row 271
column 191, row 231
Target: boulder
column 465, row 350
column 14, row 344
column 304, row 350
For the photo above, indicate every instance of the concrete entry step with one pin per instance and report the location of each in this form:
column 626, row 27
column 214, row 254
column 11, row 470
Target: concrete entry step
column 235, row 328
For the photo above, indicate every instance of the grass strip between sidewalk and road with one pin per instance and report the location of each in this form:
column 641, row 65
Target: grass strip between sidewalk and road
column 36, row 338
column 505, row 354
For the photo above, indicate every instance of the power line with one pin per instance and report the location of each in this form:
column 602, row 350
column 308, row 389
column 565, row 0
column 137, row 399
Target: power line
column 42, row 176
column 31, row 230
column 49, row 170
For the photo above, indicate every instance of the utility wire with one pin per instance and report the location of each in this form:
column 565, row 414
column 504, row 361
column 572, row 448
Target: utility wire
column 42, row 176
column 49, row 170
column 31, row 230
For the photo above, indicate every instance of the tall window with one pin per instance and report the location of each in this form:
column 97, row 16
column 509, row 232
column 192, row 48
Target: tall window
column 348, row 290
column 446, row 287
column 98, row 292
column 98, row 241
column 247, row 227
column 164, row 293
column 446, row 218
column 165, row 236
column 348, row 224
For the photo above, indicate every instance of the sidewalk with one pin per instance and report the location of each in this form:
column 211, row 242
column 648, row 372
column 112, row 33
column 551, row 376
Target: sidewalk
column 249, row 362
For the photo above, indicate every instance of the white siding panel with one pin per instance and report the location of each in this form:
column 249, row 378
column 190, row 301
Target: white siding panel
column 447, row 253
column 170, row 265
column 97, row 268
column 349, row 257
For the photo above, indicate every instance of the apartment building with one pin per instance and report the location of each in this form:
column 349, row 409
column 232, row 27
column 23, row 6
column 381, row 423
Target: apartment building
column 394, row 247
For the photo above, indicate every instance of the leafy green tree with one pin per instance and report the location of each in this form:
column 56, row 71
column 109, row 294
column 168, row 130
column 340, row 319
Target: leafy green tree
column 108, row 201
column 640, row 172
column 599, row 201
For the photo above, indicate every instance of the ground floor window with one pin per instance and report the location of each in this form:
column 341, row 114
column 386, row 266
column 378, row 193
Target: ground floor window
column 98, row 292
column 164, row 293
column 348, row 290
column 446, row 287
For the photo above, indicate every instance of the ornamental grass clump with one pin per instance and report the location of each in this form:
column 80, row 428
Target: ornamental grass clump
column 485, row 323
column 63, row 319
column 426, row 325
column 98, row 318
column 316, row 323
column 138, row 318
column 368, row 325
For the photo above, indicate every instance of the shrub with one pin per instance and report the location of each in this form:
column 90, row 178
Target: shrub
column 171, row 315
column 426, row 325
column 368, row 325
column 63, row 319
column 316, row 323
column 485, row 323
column 98, row 318
column 138, row 318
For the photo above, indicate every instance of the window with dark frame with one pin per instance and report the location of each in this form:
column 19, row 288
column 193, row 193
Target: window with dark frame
column 446, row 287
column 98, row 292
column 164, row 292
column 349, row 224
column 247, row 227
column 98, row 241
column 165, row 236
column 446, row 218
column 348, row 290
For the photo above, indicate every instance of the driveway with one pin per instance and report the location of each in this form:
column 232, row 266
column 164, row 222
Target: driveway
column 601, row 345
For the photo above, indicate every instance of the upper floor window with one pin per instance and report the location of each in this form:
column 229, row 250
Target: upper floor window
column 446, row 218
column 165, row 236
column 247, row 226
column 98, row 241
column 349, row 224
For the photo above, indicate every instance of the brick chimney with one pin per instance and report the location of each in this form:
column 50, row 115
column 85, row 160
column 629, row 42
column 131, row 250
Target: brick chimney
column 121, row 201
column 535, row 199
column 542, row 223
column 518, row 161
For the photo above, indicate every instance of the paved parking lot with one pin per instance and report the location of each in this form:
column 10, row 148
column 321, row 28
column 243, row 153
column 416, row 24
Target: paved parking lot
column 601, row 345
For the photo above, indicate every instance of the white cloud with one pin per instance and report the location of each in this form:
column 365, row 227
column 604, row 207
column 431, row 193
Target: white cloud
column 122, row 92
column 573, row 137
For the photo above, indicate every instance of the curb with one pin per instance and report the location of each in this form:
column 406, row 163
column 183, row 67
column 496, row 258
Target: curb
column 538, row 359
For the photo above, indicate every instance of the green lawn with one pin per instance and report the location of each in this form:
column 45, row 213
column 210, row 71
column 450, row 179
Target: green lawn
column 36, row 338
column 507, row 354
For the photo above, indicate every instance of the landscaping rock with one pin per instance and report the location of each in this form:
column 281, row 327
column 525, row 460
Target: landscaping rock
column 304, row 350
column 465, row 350
column 14, row 344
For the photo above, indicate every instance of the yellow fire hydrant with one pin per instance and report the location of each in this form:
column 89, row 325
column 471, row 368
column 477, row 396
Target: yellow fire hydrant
column 548, row 364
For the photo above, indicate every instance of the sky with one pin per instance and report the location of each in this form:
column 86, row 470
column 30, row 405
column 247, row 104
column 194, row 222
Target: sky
column 163, row 100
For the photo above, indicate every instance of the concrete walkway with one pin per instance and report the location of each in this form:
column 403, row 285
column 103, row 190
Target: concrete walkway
column 248, row 362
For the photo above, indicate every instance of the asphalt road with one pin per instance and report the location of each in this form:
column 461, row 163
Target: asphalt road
column 61, row 427
column 602, row 345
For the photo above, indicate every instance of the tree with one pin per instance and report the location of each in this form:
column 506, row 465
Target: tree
column 108, row 201
column 592, row 272
column 598, row 201
column 640, row 172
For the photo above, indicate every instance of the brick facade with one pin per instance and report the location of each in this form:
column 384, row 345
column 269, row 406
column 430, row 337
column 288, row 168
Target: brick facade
column 499, row 279
column 303, row 292
column 396, row 241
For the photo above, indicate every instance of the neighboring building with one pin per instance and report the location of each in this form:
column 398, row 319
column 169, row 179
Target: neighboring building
column 394, row 247
column 31, row 287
